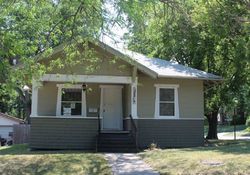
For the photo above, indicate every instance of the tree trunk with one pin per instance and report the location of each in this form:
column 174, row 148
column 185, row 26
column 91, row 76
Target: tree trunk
column 212, row 122
column 26, row 100
column 27, row 106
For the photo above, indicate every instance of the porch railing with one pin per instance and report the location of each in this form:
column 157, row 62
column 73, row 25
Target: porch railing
column 133, row 129
column 99, row 129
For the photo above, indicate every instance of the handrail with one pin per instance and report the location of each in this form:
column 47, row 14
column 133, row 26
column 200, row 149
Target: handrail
column 99, row 129
column 133, row 122
column 99, row 122
column 134, row 130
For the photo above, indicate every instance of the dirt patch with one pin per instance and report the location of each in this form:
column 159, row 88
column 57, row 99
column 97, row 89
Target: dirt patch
column 212, row 163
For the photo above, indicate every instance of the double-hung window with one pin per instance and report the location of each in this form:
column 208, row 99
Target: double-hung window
column 166, row 103
column 71, row 100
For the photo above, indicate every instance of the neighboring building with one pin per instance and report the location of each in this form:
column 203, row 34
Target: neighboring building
column 165, row 100
column 6, row 125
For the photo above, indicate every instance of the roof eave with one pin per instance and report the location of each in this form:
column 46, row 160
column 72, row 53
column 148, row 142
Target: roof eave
column 193, row 78
column 11, row 118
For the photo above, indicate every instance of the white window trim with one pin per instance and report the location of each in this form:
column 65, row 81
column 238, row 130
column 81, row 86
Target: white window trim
column 59, row 100
column 157, row 100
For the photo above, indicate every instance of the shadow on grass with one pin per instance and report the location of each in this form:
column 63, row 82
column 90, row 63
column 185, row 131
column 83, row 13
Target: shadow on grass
column 225, row 146
column 58, row 165
column 23, row 149
column 226, row 128
column 50, row 162
column 221, row 146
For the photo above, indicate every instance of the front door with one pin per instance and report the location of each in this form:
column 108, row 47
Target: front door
column 111, row 107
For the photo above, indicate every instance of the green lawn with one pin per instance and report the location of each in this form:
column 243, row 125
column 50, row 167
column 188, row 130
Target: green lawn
column 241, row 133
column 18, row 160
column 226, row 128
column 219, row 157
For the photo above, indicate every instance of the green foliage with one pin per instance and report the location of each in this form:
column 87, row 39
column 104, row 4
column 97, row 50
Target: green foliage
column 29, row 28
column 238, row 120
column 248, row 123
column 8, row 100
column 152, row 146
column 205, row 122
column 212, row 36
column 29, row 31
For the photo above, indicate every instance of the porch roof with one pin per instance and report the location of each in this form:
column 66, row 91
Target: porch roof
column 158, row 68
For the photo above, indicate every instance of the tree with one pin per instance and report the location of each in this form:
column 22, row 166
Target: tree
column 207, row 35
column 31, row 28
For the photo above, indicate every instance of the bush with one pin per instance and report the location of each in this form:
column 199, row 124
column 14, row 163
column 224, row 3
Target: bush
column 152, row 146
column 237, row 120
column 205, row 122
column 248, row 122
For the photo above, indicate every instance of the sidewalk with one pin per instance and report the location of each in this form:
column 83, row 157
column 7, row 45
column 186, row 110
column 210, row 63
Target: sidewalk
column 128, row 164
column 225, row 136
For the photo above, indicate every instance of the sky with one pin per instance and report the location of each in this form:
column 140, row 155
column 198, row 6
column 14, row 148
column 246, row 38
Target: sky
column 116, row 31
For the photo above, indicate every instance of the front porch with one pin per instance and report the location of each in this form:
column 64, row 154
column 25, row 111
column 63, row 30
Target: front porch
column 84, row 112
column 112, row 98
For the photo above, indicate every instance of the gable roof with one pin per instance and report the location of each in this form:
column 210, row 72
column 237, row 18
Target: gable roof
column 11, row 118
column 154, row 67
column 158, row 68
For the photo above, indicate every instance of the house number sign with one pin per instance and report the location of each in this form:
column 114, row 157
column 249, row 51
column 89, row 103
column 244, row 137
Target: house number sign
column 134, row 95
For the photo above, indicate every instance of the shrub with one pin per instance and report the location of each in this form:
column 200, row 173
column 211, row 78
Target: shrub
column 238, row 120
column 248, row 122
column 152, row 146
column 205, row 122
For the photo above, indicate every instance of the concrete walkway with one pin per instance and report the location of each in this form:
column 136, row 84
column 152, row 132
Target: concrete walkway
column 225, row 136
column 128, row 164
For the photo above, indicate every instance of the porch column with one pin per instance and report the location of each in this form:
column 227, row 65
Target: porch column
column 84, row 105
column 134, row 93
column 34, row 104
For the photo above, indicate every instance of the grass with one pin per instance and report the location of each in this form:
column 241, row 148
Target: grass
column 19, row 160
column 240, row 129
column 226, row 128
column 219, row 157
column 240, row 133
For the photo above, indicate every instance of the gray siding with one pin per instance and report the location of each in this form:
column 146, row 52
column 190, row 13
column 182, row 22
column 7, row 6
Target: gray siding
column 63, row 133
column 170, row 133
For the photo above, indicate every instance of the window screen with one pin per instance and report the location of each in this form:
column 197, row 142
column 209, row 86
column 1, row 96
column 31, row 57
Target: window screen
column 71, row 102
column 167, row 102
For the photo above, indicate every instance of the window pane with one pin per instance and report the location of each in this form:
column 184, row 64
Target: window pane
column 166, row 94
column 167, row 109
column 71, row 108
column 71, row 95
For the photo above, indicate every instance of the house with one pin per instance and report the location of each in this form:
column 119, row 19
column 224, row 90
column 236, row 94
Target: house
column 132, row 101
column 6, row 125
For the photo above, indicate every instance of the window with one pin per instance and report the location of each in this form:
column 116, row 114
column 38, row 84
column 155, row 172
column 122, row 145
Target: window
column 71, row 100
column 71, row 103
column 166, row 104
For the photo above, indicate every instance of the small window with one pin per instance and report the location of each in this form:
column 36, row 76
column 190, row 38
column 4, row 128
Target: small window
column 167, row 105
column 71, row 103
column 166, row 101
